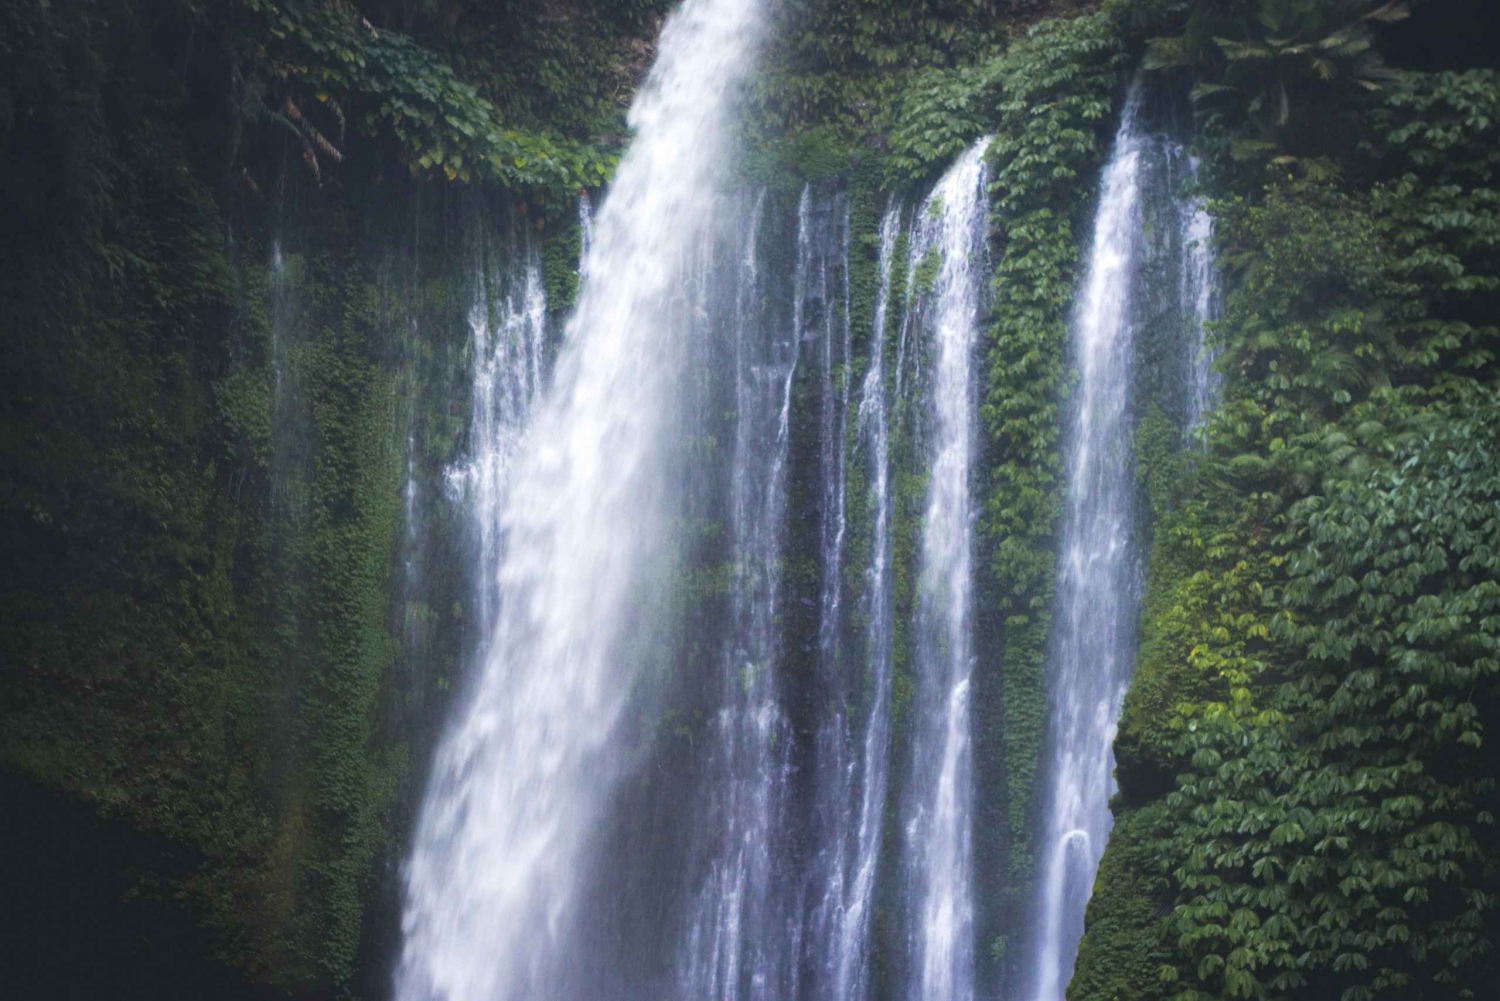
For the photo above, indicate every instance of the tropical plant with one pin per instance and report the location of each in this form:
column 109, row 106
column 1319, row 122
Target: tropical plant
column 301, row 54
column 1271, row 54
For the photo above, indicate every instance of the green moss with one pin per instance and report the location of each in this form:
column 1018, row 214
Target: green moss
column 1057, row 87
column 1124, row 946
column 785, row 162
column 925, row 275
column 355, row 505
column 562, row 247
column 863, row 276
column 1160, row 465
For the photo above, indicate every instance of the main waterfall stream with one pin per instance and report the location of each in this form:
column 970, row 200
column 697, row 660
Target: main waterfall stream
column 526, row 767
column 950, row 233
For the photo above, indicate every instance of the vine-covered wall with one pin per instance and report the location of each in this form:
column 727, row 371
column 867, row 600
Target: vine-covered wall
column 1306, row 789
column 237, row 358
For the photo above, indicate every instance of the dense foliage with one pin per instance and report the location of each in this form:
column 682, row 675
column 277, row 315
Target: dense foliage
column 386, row 81
column 1307, row 791
column 201, row 452
column 1059, row 87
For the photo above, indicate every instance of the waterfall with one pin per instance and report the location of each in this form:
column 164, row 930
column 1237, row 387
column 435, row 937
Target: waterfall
column 508, row 327
column 832, row 751
column 855, row 786
column 949, row 237
column 1199, row 295
column 746, row 926
column 1102, row 559
column 1096, row 595
column 531, row 757
column 585, row 233
column 730, row 929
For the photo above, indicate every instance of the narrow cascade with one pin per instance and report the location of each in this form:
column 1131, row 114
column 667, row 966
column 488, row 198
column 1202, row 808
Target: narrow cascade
column 508, row 324
column 532, row 756
column 1098, row 579
column 854, row 767
column 947, row 279
column 833, row 751
column 585, row 233
column 1199, row 294
column 729, row 924
column 1123, row 302
column 745, row 923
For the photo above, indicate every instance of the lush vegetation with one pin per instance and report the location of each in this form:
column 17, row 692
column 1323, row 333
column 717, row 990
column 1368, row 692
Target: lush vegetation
column 1059, row 87
column 1307, row 791
column 296, row 53
column 204, row 442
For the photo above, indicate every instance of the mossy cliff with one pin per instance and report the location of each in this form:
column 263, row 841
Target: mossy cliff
column 1306, row 789
column 236, row 365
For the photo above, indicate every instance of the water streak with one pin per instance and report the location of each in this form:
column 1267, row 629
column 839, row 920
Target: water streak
column 1199, row 295
column 949, row 234
column 851, row 890
column 850, row 774
column 1098, row 585
column 585, row 233
column 746, row 925
column 508, row 327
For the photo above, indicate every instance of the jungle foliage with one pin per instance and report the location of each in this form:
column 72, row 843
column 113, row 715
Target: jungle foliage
column 1307, row 788
column 1059, row 86
column 201, row 449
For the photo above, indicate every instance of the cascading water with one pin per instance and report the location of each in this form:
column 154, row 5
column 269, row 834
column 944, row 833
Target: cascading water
column 834, row 765
column 746, row 927
column 585, row 233
column 1096, row 610
column 1199, row 292
column 527, row 765
column 853, row 780
column 508, row 326
column 1100, row 572
column 729, row 933
column 951, row 225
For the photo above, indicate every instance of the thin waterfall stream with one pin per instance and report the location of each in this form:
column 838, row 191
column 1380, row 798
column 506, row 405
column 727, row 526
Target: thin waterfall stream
column 947, row 252
column 732, row 946
column 861, row 783
column 1103, row 554
column 1099, row 566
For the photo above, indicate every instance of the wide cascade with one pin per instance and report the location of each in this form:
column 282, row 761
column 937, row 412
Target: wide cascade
column 743, row 932
column 533, row 753
column 1148, row 288
column 725, row 546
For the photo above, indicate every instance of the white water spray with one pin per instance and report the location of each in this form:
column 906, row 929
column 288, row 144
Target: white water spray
column 939, row 839
column 522, row 775
column 1098, row 581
